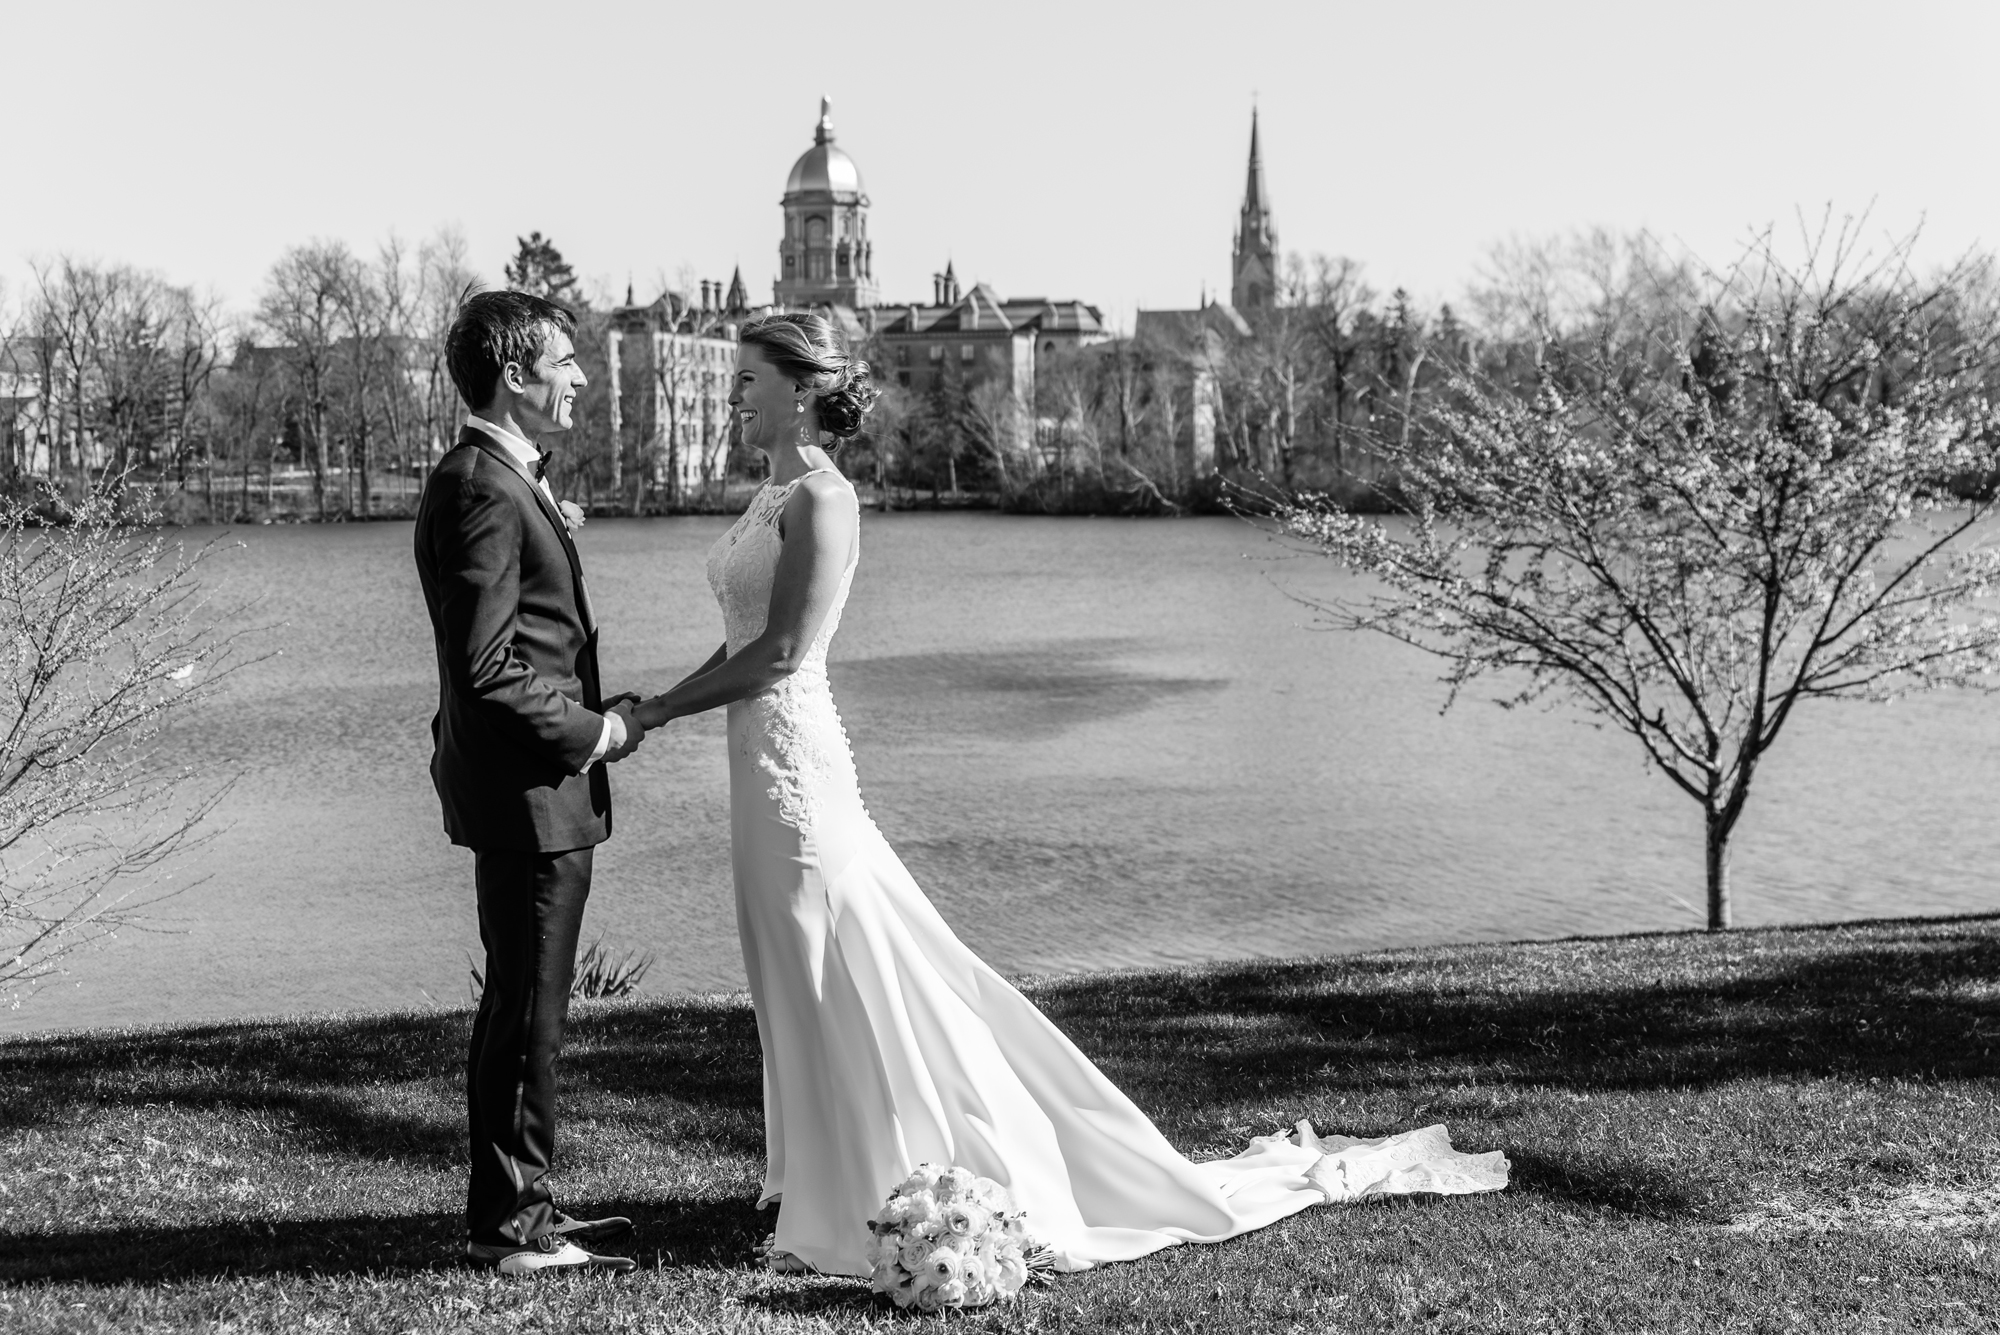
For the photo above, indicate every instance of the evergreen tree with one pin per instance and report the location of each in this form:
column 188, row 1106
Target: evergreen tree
column 538, row 267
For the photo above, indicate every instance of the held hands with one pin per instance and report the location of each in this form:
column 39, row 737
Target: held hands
column 620, row 706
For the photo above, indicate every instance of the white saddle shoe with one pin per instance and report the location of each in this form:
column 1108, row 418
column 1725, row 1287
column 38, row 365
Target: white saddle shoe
column 547, row 1252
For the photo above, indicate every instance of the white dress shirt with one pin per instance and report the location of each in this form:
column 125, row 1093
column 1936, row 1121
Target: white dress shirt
column 528, row 456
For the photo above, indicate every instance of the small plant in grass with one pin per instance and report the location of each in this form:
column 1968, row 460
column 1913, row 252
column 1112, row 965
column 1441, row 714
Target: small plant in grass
column 598, row 973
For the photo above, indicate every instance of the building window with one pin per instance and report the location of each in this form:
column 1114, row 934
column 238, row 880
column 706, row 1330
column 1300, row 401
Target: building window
column 903, row 379
column 816, row 264
column 966, row 352
column 815, row 231
column 937, row 352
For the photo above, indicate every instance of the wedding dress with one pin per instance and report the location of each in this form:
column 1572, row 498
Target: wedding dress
column 887, row 1043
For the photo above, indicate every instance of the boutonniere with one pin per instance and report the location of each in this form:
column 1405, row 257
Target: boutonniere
column 572, row 515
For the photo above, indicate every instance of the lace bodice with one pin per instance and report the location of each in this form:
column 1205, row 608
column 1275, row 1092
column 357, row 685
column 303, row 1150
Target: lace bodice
column 742, row 563
column 790, row 734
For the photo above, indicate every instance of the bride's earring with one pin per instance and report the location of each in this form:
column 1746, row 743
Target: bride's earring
column 800, row 405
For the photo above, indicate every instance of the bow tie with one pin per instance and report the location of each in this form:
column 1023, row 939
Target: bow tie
column 541, row 465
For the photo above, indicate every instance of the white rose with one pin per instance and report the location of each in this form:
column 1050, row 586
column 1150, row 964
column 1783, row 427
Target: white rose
column 954, row 1183
column 944, row 1266
column 1013, row 1274
column 964, row 1219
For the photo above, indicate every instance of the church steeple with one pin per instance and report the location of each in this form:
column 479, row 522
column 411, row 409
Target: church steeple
column 1254, row 258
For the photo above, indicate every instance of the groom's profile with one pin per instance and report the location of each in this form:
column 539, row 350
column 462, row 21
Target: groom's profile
column 522, row 737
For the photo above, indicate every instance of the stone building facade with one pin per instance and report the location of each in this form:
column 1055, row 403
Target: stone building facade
column 670, row 364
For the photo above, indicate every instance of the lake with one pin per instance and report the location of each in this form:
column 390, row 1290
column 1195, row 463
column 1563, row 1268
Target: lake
column 1095, row 742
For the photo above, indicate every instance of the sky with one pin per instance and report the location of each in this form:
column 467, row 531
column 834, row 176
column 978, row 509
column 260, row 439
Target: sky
column 1069, row 150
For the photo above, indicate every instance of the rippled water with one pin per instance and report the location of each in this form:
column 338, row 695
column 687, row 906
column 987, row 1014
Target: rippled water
column 1095, row 742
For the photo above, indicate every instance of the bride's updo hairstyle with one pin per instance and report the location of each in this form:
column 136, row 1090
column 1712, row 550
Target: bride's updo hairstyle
column 809, row 350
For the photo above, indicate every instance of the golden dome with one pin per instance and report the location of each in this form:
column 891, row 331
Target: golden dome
column 824, row 167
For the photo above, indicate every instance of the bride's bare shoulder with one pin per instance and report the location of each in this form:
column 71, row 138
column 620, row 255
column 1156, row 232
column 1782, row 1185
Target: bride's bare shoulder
column 821, row 499
column 824, row 492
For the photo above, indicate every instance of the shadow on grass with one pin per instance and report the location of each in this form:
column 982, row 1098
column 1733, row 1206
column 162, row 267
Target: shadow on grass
column 311, row 1075
column 321, row 1078
column 1624, row 1188
column 1916, row 1000
column 371, row 1244
column 674, row 1234
column 819, row 1297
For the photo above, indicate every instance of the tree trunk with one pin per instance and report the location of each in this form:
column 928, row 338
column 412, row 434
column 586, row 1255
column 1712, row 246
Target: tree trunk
column 361, row 466
column 1718, row 872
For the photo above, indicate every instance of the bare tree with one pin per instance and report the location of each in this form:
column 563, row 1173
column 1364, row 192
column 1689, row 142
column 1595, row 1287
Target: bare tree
column 444, row 277
column 687, row 376
column 1698, row 514
column 301, row 309
column 993, row 414
column 123, row 357
column 106, row 633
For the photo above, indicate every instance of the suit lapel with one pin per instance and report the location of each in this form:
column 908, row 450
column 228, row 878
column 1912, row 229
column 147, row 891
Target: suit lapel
column 475, row 437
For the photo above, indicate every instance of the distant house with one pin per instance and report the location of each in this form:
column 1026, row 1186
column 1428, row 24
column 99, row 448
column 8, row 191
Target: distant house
column 1196, row 340
column 978, row 335
column 671, row 362
column 1199, row 339
column 24, row 434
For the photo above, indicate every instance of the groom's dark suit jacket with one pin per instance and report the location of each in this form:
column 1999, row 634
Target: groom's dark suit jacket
column 519, row 701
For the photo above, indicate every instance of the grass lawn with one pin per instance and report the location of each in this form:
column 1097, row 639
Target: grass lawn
column 1769, row 1130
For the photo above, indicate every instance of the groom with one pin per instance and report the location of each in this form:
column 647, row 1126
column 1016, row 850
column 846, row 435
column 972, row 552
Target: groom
column 523, row 736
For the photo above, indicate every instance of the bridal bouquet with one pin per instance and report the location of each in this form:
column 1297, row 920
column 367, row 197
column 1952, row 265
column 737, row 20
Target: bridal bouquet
column 945, row 1238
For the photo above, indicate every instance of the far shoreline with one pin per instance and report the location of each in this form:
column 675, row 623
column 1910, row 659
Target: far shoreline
column 1040, row 982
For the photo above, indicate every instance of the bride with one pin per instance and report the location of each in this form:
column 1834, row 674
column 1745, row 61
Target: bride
column 887, row 1043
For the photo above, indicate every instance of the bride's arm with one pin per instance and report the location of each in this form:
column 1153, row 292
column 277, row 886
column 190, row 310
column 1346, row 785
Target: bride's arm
column 714, row 659
column 821, row 521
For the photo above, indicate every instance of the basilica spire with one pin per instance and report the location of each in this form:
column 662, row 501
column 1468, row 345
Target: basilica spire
column 1254, row 261
column 1253, row 188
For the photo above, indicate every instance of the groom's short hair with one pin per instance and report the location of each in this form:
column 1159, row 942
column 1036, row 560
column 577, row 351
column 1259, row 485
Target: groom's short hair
column 492, row 329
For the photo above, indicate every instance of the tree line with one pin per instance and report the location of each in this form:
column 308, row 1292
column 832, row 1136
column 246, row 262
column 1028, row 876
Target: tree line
column 328, row 398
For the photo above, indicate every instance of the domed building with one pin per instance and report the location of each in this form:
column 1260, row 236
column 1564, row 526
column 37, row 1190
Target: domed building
column 825, row 258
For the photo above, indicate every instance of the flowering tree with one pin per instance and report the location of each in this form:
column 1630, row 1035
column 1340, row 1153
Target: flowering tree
column 105, row 633
column 1703, row 512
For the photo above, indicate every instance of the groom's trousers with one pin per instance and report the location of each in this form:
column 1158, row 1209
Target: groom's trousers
column 530, row 913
